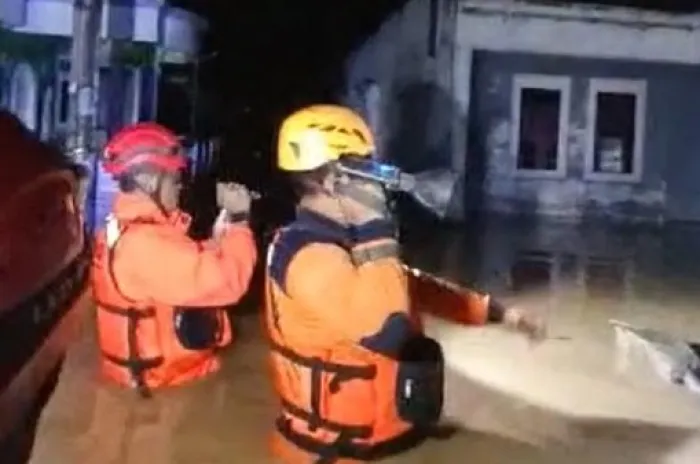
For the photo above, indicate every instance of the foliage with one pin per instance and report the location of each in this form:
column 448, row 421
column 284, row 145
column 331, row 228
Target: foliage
column 35, row 49
column 134, row 54
column 41, row 50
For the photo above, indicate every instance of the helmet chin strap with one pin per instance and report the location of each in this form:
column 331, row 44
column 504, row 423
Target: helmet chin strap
column 155, row 195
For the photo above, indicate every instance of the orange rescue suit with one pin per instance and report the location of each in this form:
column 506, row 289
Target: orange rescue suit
column 356, row 377
column 149, row 277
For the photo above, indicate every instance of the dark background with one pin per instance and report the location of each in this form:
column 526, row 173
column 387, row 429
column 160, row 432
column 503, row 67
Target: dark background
column 275, row 56
column 272, row 57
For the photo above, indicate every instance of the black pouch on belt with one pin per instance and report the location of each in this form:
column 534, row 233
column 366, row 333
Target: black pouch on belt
column 197, row 329
column 420, row 382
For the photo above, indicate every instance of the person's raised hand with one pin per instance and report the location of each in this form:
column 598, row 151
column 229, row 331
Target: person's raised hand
column 234, row 198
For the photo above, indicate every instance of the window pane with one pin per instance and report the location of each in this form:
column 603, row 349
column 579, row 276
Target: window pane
column 614, row 133
column 605, row 278
column 539, row 129
column 531, row 270
column 147, row 87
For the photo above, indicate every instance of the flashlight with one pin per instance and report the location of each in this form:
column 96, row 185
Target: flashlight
column 391, row 177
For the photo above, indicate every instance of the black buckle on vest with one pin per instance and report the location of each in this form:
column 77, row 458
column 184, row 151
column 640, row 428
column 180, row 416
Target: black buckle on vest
column 137, row 366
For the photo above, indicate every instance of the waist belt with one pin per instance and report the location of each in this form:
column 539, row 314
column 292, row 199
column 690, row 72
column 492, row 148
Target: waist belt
column 345, row 445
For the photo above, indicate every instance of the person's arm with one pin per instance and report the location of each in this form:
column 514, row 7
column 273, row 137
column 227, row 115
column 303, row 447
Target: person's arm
column 169, row 267
column 432, row 295
column 449, row 301
column 365, row 304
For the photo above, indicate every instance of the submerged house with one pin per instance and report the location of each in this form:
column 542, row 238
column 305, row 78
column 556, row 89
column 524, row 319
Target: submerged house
column 138, row 39
column 546, row 109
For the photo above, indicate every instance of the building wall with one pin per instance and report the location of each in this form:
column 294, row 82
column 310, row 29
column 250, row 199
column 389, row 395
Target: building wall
column 667, row 186
column 40, row 97
column 415, row 105
column 453, row 109
column 176, row 31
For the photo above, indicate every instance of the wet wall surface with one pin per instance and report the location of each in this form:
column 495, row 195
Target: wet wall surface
column 667, row 187
column 580, row 277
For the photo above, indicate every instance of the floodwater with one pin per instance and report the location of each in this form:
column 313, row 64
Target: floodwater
column 562, row 401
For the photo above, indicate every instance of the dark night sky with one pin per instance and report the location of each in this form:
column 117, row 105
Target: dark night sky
column 281, row 50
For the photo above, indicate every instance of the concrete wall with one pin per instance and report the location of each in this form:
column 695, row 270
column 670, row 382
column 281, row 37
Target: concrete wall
column 416, row 88
column 667, row 187
column 425, row 103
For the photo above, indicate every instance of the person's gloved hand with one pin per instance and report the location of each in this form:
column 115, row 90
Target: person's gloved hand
column 526, row 322
column 362, row 201
column 233, row 198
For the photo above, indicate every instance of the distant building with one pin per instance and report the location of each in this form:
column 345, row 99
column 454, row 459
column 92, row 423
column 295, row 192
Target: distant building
column 138, row 38
column 570, row 110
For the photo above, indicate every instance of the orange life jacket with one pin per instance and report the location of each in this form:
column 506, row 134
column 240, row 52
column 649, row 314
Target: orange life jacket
column 146, row 344
column 345, row 402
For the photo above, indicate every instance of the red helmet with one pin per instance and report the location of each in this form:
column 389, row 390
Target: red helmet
column 144, row 144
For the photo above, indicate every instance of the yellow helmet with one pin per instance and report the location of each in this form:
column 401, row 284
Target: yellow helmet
column 318, row 134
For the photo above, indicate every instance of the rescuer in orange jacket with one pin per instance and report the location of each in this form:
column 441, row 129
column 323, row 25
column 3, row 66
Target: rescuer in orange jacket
column 44, row 262
column 156, row 288
column 356, row 377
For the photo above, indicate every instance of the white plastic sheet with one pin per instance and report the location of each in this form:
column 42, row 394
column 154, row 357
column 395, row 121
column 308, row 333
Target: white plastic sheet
column 671, row 359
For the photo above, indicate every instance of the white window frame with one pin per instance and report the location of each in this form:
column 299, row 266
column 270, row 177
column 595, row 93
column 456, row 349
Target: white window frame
column 636, row 87
column 544, row 82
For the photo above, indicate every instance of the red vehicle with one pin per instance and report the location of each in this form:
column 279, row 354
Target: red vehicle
column 44, row 259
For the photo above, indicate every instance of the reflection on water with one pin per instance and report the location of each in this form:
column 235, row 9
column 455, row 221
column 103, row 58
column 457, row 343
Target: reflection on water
column 540, row 270
column 581, row 276
column 531, row 270
column 605, row 277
